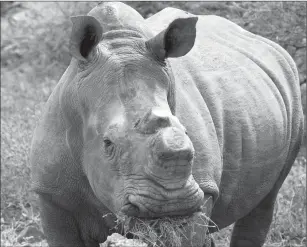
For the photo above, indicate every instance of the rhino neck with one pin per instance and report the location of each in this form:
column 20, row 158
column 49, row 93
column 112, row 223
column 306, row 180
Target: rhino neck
column 119, row 16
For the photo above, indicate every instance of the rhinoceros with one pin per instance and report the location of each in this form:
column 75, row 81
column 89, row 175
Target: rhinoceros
column 154, row 117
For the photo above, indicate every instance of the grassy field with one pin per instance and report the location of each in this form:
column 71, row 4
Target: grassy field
column 34, row 54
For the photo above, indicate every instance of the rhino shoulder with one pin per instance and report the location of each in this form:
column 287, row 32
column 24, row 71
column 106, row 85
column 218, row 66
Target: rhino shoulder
column 52, row 164
column 47, row 144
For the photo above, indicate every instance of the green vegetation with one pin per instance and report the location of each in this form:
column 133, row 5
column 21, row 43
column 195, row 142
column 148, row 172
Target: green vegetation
column 34, row 55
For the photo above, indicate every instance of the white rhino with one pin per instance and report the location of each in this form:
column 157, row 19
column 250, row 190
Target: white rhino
column 154, row 117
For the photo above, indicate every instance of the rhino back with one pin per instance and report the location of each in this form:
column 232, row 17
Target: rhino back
column 242, row 92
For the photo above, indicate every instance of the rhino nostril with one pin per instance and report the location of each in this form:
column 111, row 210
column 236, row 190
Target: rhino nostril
column 186, row 155
column 137, row 123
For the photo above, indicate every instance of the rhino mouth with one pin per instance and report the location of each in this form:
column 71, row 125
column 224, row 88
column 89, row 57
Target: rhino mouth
column 149, row 207
column 187, row 227
column 176, row 210
column 151, row 200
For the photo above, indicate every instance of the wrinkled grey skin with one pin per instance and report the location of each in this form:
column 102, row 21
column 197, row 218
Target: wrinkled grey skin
column 150, row 120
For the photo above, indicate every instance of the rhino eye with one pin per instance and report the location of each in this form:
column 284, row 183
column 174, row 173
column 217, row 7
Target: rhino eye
column 109, row 147
column 107, row 143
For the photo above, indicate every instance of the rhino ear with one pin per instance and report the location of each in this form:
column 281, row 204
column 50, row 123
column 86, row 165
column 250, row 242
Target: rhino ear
column 176, row 40
column 85, row 35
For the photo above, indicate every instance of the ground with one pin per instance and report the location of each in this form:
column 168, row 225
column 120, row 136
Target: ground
column 34, row 54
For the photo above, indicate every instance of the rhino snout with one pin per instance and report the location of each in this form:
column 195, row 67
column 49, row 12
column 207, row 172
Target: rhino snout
column 173, row 144
column 171, row 158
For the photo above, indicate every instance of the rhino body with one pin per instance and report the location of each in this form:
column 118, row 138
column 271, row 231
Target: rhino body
column 226, row 128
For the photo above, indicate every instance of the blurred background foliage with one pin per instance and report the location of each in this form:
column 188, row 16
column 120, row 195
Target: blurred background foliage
column 34, row 55
column 37, row 34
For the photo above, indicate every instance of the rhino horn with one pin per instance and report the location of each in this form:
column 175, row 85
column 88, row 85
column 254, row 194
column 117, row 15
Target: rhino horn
column 86, row 33
column 176, row 40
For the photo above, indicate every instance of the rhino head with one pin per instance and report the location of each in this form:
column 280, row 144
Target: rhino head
column 136, row 154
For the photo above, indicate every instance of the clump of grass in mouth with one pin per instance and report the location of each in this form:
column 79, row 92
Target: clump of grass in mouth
column 166, row 231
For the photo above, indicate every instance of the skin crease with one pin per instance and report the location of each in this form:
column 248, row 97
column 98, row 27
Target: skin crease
column 106, row 142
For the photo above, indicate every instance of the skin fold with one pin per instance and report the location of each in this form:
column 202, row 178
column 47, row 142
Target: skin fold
column 155, row 117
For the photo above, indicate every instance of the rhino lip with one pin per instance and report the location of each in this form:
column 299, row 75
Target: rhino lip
column 130, row 209
column 135, row 208
column 181, row 220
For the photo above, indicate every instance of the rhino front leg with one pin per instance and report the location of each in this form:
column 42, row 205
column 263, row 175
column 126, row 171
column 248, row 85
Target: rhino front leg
column 60, row 227
column 251, row 230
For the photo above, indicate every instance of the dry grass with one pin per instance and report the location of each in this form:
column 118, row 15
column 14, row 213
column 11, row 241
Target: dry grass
column 34, row 54
column 167, row 231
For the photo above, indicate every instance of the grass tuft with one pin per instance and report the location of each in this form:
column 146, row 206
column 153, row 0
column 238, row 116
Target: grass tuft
column 167, row 231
